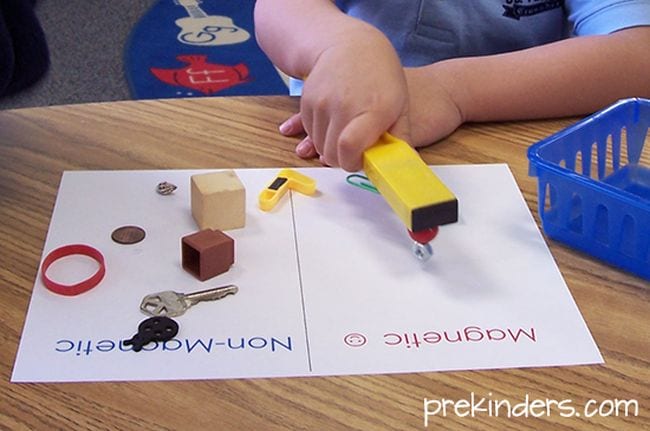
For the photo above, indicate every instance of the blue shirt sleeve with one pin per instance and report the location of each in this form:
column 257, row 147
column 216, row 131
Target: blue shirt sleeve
column 295, row 86
column 593, row 17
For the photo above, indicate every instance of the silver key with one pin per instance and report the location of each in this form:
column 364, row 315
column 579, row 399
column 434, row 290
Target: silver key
column 172, row 304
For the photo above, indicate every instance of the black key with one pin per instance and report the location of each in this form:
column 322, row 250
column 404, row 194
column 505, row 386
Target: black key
column 159, row 328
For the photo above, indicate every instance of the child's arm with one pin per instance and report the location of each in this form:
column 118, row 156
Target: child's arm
column 570, row 77
column 356, row 88
column 293, row 33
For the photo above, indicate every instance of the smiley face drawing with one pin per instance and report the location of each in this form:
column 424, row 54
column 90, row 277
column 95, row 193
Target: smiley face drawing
column 355, row 339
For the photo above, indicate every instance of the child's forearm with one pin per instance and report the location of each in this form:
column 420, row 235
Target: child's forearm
column 572, row 77
column 293, row 33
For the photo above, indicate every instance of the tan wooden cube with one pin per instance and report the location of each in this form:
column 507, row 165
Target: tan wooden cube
column 218, row 200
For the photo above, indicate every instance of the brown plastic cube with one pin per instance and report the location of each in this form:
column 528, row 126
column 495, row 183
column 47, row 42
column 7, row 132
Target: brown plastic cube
column 207, row 253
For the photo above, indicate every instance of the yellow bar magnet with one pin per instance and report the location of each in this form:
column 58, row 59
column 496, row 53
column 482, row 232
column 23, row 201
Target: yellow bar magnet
column 285, row 180
column 409, row 186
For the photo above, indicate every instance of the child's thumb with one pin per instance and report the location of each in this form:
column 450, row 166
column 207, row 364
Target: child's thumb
column 402, row 129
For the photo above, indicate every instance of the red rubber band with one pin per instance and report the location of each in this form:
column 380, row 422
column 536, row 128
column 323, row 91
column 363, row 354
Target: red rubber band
column 82, row 286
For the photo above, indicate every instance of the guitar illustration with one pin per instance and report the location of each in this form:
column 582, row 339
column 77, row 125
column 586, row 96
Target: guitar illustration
column 207, row 30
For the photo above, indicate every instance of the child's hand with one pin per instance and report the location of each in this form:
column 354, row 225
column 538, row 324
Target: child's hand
column 433, row 112
column 355, row 91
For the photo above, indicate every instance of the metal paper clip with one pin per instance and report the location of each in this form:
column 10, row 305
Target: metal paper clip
column 362, row 182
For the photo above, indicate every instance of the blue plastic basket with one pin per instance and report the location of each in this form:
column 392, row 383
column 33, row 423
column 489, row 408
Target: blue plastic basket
column 594, row 185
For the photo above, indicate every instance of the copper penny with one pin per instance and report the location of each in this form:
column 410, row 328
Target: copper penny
column 128, row 234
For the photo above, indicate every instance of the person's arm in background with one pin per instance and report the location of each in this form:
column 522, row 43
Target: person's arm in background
column 355, row 88
column 571, row 77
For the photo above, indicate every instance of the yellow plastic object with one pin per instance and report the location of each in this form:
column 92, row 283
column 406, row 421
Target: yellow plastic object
column 409, row 186
column 285, row 180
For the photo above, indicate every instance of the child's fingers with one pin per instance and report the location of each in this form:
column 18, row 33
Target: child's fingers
column 292, row 126
column 363, row 131
column 322, row 160
column 305, row 149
